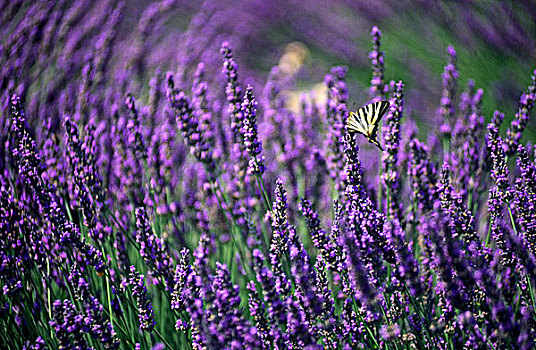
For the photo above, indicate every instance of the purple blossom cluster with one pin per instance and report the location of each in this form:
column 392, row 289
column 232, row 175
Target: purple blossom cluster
column 147, row 210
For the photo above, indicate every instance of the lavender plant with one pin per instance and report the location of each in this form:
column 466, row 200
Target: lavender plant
column 206, row 220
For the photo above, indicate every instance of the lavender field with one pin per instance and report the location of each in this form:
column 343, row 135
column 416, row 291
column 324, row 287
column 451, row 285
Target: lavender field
column 182, row 175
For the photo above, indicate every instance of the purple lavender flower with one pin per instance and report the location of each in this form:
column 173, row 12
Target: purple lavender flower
column 391, row 139
column 250, row 134
column 462, row 221
column 525, row 198
column 99, row 324
column 329, row 319
column 182, row 273
column 450, row 81
column 279, row 241
column 378, row 88
column 336, row 115
column 227, row 326
column 325, row 244
column 521, row 119
column 39, row 344
column 135, row 137
column 495, row 148
column 87, row 182
column 201, row 103
column 275, row 308
column 233, row 91
column 68, row 325
column 145, row 308
column 152, row 249
column 422, row 173
column 30, row 169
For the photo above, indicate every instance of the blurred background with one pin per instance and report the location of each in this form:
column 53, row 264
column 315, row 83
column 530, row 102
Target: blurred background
column 45, row 48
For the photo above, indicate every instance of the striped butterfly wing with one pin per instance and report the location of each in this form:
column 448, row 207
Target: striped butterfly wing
column 377, row 111
column 356, row 123
column 366, row 119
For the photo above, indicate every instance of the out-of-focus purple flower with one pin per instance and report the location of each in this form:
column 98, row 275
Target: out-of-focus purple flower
column 462, row 221
column 135, row 136
column 336, row 116
column 188, row 123
column 450, row 82
column 422, row 174
column 152, row 249
column 39, row 344
column 391, row 139
column 521, row 119
column 377, row 84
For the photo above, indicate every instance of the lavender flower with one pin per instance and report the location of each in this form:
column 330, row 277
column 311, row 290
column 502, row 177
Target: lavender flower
column 525, row 198
column 31, row 170
column 68, row 325
column 188, row 123
column 145, row 308
column 256, row 311
column 86, row 182
column 39, row 344
column 422, row 173
column 152, row 249
column 279, row 242
column 378, row 88
column 497, row 153
column 135, row 136
column 439, row 269
column 182, row 273
column 337, row 114
column 450, row 81
column 321, row 239
column 250, row 135
column 391, row 138
column 99, row 324
column 239, row 162
column 520, row 121
column 233, row 91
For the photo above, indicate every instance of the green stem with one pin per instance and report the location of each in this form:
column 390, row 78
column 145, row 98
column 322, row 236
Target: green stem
column 511, row 216
column 108, row 292
column 531, row 292
column 162, row 339
column 49, row 296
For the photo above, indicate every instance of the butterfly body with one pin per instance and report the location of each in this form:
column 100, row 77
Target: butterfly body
column 367, row 119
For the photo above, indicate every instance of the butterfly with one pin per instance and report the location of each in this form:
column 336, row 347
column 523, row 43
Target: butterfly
column 366, row 120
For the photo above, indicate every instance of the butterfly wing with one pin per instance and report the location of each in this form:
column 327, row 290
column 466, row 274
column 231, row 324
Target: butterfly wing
column 356, row 123
column 367, row 119
column 378, row 111
column 375, row 113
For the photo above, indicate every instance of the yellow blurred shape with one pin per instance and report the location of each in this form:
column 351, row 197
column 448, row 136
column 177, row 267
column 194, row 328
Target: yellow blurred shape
column 317, row 95
column 295, row 56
